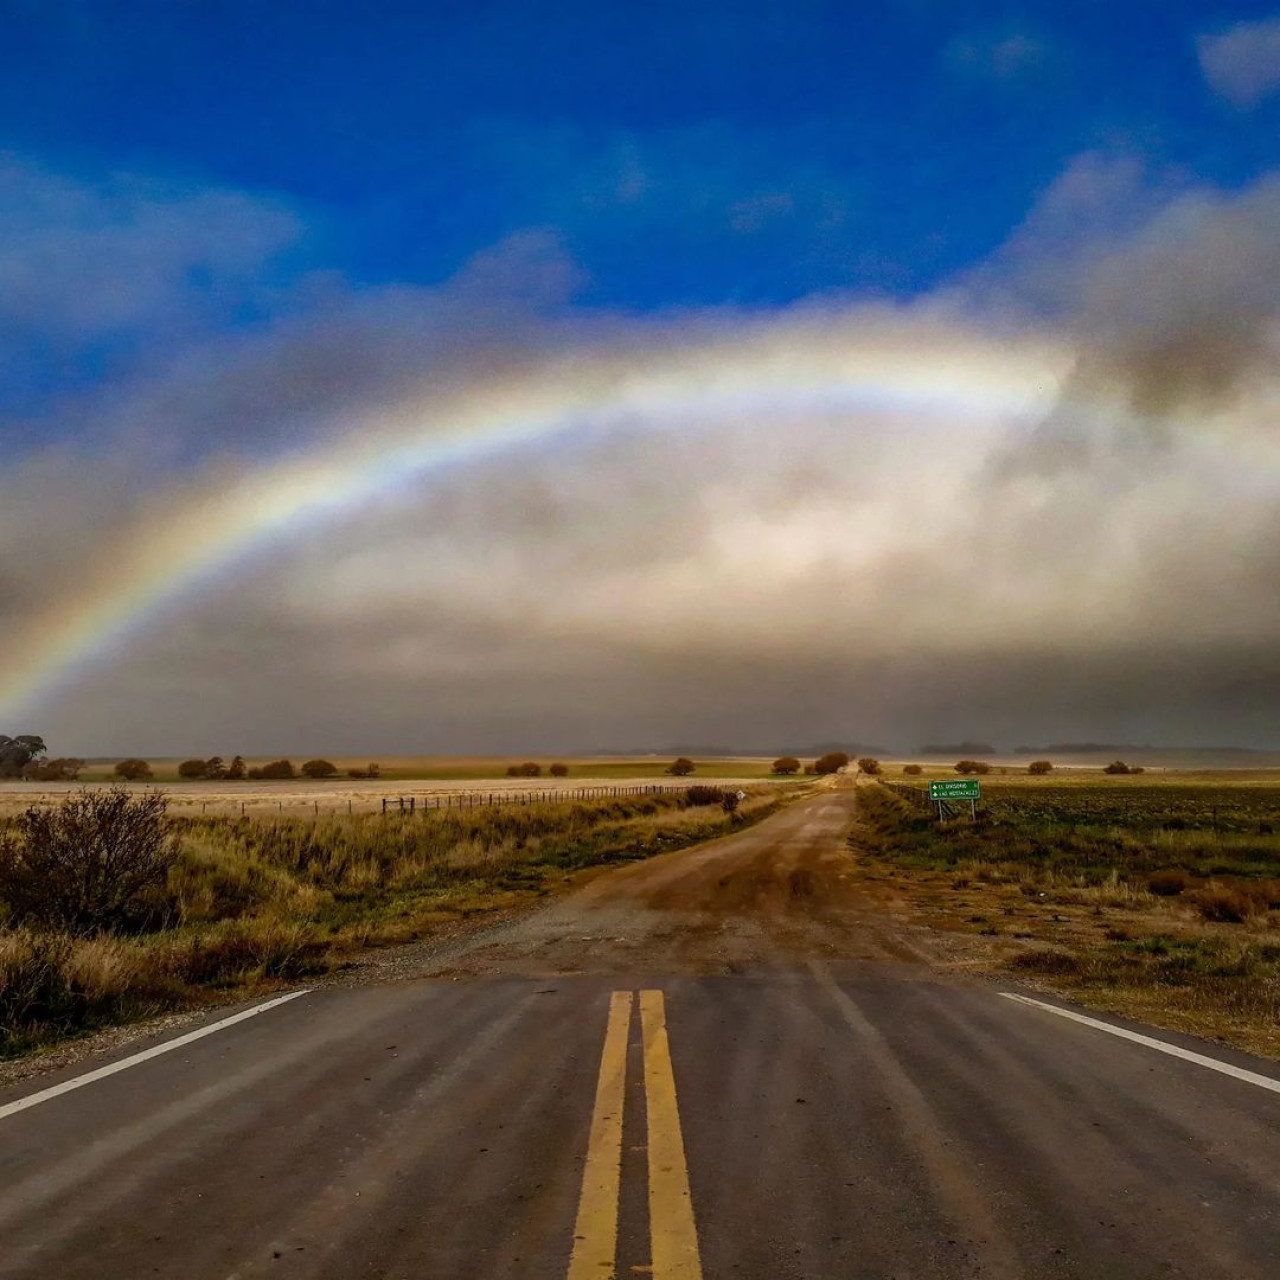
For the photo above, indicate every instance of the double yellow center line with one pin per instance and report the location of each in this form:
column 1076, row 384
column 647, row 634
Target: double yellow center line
column 673, row 1234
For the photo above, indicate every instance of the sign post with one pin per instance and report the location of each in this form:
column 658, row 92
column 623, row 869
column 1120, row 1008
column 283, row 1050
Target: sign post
column 969, row 789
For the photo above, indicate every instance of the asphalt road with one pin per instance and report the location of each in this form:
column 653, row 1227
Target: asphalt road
column 720, row 1063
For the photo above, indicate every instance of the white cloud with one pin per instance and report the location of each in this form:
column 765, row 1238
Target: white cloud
column 1242, row 63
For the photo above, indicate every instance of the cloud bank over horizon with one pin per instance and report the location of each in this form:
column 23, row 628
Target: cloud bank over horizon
column 1037, row 501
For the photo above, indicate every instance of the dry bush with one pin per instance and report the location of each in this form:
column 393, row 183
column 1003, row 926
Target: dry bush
column 91, row 865
column 1047, row 960
column 1040, row 766
column 1168, row 884
column 134, row 770
column 869, row 765
column 704, row 795
column 913, row 770
column 1223, row 905
column 319, row 769
column 559, row 770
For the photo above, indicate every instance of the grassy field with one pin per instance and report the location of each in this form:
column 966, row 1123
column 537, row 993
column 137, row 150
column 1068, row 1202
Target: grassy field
column 251, row 902
column 477, row 769
column 1158, row 898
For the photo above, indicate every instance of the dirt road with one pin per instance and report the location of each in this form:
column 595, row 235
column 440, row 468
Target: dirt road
column 732, row 1061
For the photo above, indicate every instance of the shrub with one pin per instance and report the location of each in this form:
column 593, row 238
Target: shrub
column 277, row 769
column 913, row 770
column 559, row 770
column 89, row 865
column 1046, row 960
column 1224, row 906
column 1168, row 884
column 832, row 762
column 369, row 771
column 1040, row 766
column 1117, row 766
column 786, row 765
column 972, row 766
column 191, row 769
column 869, row 765
column 704, row 795
column 681, row 767
column 236, row 769
column 319, row 769
column 133, row 770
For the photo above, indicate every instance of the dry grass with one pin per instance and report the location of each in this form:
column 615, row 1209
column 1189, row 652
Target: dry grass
column 260, row 902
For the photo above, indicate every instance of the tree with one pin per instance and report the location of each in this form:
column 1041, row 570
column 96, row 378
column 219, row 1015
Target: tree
column 17, row 753
column 972, row 766
column 786, row 765
column 134, row 770
column 1040, row 766
column 682, row 767
column 913, row 769
column 869, row 766
column 1117, row 766
column 278, row 769
column 60, row 770
column 236, row 769
column 89, row 865
column 832, row 762
column 212, row 769
column 319, row 769
column 559, row 770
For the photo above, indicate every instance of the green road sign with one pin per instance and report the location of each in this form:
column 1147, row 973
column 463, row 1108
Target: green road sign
column 956, row 789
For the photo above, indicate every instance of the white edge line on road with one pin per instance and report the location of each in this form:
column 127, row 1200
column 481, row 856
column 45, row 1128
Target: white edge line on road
column 67, row 1086
column 1163, row 1046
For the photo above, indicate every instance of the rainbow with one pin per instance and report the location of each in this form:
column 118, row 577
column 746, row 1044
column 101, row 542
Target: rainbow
column 812, row 360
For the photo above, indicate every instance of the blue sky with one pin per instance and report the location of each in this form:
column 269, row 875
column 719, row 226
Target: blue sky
column 687, row 153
